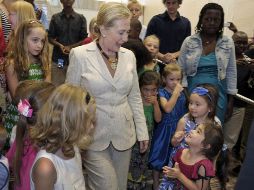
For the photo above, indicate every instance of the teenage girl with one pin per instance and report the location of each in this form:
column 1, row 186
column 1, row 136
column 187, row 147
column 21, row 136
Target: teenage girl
column 149, row 83
column 202, row 107
column 22, row 153
column 64, row 126
column 28, row 60
column 193, row 166
column 172, row 102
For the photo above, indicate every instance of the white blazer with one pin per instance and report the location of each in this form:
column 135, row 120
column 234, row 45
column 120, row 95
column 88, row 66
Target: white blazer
column 117, row 98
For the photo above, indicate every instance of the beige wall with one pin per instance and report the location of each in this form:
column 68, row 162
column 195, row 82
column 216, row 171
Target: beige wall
column 239, row 12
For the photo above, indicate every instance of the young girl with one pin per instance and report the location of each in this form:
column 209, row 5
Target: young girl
column 22, row 153
column 152, row 44
column 172, row 101
column 202, row 107
column 64, row 125
column 19, row 11
column 193, row 166
column 149, row 82
column 28, row 60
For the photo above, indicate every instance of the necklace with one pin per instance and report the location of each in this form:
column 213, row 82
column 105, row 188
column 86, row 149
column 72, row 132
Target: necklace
column 208, row 42
column 112, row 61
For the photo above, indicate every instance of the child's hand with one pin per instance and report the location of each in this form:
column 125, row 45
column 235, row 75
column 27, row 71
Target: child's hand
column 172, row 172
column 151, row 99
column 178, row 89
column 179, row 135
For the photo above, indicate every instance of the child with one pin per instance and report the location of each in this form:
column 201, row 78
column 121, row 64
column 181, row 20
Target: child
column 28, row 60
column 172, row 101
column 143, row 57
column 152, row 43
column 193, row 166
column 64, row 125
column 22, row 153
column 4, row 166
column 19, row 12
column 136, row 9
column 201, row 108
column 135, row 29
column 149, row 82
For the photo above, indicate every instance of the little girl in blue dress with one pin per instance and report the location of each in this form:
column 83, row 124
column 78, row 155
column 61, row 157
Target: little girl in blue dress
column 172, row 102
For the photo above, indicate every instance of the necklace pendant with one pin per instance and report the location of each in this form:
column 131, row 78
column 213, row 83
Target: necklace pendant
column 113, row 64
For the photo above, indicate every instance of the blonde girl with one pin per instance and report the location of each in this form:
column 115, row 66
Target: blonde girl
column 64, row 126
column 19, row 12
column 28, row 60
column 172, row 102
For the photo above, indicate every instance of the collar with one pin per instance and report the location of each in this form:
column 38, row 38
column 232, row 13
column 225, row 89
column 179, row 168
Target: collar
column 166, row 16
column 72, row 14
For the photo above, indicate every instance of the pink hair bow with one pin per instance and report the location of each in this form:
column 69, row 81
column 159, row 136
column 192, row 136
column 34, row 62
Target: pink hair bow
column 24, row 108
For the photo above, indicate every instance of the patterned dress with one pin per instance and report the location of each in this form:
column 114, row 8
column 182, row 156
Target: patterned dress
column 189, row 125
column 162, row 134
column 11, row 117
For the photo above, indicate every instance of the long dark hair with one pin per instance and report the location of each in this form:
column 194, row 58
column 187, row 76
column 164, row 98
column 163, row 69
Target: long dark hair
column 209, row 6
column 36, row 93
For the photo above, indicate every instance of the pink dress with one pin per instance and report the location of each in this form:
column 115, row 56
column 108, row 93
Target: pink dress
column 28, row 158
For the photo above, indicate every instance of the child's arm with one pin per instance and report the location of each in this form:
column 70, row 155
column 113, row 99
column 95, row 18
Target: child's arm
column 179, row 133
column 200, row 184
column 157, row 111
column 168, row 106
column 44, row 174
column 12, row 78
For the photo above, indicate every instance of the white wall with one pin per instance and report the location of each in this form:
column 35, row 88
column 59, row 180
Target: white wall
column 240, row 12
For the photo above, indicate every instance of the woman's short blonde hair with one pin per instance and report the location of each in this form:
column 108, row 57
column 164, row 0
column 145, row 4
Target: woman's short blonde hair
column 65, row 120
column 110, row 12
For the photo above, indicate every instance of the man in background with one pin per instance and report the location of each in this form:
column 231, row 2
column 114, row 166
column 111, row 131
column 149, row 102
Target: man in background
column 171, row 28
column 67, row 30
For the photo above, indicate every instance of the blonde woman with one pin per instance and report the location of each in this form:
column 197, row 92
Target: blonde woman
column 108, row 72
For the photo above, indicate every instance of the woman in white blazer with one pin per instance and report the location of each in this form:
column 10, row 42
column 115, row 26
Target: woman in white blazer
column 108, row 72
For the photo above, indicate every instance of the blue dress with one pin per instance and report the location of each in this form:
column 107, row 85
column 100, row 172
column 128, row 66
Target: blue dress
column 168, row 184
column 207, row 72
column 163, row 132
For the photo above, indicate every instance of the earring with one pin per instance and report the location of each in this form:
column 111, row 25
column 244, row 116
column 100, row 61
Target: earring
column 103, row 35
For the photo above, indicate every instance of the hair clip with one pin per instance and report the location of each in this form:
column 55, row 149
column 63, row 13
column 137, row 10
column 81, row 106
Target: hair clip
column 24, row 108
column 201, row 91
